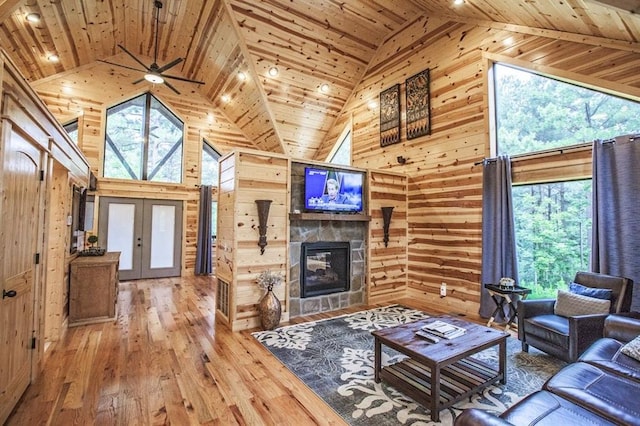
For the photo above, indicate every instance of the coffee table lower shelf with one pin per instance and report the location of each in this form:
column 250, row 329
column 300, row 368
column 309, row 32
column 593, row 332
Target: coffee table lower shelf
column 457, row 381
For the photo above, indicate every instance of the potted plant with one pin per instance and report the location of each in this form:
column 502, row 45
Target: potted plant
column 93, row 250
column 93, row 239
column 269, row 307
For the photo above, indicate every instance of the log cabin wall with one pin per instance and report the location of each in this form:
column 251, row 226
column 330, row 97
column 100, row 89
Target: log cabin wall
column 247, row 176
column 27, row 127
column 89, row 92
column 445, row 184
column 387, row 265
column 58, row 258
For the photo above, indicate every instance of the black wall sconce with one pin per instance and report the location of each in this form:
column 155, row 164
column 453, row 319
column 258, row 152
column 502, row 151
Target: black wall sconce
column 263, row 215
column 386, row 221
column 401, row 159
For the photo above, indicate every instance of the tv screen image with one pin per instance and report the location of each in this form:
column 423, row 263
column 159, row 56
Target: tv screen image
column 329, row 190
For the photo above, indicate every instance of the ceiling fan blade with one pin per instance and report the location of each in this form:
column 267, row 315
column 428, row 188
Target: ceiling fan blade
column 134, row 58
column 175, row 77
column 170, row 65
column 122, row 66
column 170, row 86
column 140, row 80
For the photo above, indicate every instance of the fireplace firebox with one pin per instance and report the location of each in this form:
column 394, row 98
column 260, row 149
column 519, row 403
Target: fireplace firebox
column 324, row 268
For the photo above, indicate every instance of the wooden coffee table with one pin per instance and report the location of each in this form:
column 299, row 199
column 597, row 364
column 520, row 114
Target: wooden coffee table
column 440, row 374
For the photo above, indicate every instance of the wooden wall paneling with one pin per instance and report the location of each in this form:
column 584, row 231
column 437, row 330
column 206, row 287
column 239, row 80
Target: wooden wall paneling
column 572, row 163
column 387, row 266
column 445, row 186
column 246, row 176
column 56, row 286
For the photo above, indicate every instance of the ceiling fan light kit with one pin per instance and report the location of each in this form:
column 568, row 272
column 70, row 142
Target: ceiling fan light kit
column 155, row 73
column 154, row 78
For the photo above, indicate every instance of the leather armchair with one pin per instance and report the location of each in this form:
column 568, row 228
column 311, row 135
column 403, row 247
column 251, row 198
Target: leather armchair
column 567, row 337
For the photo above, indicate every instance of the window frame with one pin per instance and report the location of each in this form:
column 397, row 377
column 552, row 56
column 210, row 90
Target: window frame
column 173, row 118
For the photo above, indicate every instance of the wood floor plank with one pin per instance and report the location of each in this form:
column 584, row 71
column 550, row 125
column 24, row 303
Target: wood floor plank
column 165, row 361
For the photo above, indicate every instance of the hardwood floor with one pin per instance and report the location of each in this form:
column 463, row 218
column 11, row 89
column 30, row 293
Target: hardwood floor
column 165, row 361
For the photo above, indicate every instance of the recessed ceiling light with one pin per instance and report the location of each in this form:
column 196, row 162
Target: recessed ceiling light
column 225, row 98
column 324, row 88
column 53, row 58
column 273, row 71
column 33, row 17
column 242, row 76
column 372, row 105
column 66, row 89
column 458, row 2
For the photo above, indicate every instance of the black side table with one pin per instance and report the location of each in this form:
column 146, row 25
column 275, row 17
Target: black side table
column 501, row 295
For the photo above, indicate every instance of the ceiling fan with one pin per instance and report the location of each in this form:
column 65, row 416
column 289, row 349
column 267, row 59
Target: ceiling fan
column 155, row 73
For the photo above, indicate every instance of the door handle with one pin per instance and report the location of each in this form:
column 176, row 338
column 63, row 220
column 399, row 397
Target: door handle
column 10, row 293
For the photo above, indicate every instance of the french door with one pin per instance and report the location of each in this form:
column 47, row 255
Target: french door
column 147, row 233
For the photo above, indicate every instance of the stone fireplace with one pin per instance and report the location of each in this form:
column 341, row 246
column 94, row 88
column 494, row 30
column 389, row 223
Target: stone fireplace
column 316, row 232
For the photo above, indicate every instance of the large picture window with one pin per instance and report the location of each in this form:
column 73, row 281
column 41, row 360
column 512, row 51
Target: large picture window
column 536, row 113
column 552, row 208
column 143, row 141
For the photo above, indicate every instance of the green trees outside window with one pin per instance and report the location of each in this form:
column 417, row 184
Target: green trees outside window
column 535, row 113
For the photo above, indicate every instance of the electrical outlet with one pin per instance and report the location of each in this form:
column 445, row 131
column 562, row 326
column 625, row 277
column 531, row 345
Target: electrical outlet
column 443, row 289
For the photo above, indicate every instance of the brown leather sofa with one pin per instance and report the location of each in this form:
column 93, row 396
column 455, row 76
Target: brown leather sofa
column 601, row 388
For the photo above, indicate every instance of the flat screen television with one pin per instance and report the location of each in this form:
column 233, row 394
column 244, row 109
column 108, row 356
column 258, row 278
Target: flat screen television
column 331, row 190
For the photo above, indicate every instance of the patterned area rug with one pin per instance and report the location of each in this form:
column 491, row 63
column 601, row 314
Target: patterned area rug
column 334, row 357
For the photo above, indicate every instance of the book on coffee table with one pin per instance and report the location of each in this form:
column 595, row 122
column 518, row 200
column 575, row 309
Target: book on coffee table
column 444, row 329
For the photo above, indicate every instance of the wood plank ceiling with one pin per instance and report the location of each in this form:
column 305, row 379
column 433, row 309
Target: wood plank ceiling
column 310, row 42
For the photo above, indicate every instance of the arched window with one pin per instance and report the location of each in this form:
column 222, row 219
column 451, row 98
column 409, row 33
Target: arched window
column 143, row 141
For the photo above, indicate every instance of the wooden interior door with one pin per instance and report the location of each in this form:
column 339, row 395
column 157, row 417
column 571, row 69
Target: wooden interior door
column 21, row 165
column 147, row 233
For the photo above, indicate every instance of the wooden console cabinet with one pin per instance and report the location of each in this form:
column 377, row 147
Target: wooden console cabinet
column 93, row 290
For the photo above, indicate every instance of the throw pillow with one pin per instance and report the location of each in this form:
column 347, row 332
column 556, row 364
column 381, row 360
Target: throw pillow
column 598, row 293
column 571, row 305
column 632, row 348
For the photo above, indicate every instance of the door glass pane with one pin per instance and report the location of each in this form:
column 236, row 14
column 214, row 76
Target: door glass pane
column 121, row 237
column 162, row 236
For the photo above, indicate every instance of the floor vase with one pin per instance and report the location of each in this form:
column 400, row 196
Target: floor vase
column 270, row 310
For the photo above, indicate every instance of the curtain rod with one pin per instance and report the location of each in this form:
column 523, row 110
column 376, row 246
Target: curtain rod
column 543, row 153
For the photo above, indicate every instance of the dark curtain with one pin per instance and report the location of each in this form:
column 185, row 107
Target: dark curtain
column 203, row 250
column 498, row 230
column 615, row 248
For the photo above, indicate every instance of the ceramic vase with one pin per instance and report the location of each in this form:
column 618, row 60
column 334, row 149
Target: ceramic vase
column 270, row 310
